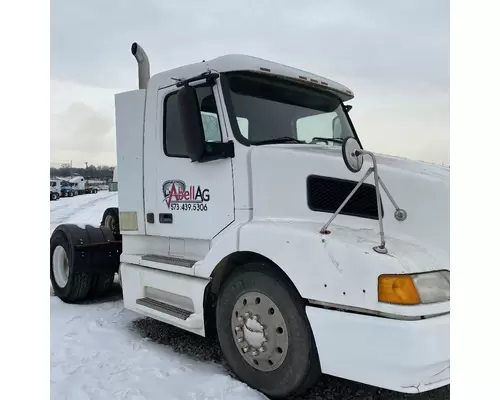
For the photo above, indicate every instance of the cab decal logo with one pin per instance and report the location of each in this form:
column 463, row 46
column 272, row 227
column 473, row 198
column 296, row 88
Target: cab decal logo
column 179, row 196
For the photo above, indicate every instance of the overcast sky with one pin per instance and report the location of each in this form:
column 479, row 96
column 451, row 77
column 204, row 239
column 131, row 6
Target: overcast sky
column 393, row 54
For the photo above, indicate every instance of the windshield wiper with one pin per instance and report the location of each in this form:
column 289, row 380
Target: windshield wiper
column 325, row 139
column 283, row 139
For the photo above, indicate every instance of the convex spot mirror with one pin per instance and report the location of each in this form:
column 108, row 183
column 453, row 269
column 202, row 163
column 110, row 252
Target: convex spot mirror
column 350, row 153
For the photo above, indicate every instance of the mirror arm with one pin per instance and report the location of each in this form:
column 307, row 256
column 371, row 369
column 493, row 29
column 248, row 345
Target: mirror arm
column 218, row 151
column 400, row 214
column 324, row 228
column 379, row 249
column 208, row 76
column 228, row 149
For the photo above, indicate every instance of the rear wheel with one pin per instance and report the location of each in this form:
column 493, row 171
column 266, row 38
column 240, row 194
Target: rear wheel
column 264, row 332
column 101, row 284
column 111, row 220
column 69, row 285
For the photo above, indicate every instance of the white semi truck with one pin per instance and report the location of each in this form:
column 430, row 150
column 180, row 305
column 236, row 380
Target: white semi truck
column 269, row 224
column 55, row 189
column 81, row 186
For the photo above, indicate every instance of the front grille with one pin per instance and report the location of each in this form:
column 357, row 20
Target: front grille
column 325, row 194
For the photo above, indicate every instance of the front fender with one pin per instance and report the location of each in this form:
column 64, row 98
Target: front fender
column 340, row 268
column 325, row 268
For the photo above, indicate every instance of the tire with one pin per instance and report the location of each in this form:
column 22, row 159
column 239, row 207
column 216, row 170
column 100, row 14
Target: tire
column 111, row 220
column 78, row 284
column 288, row 362
column 70, row 194
column 101, row 285
column 53, row 196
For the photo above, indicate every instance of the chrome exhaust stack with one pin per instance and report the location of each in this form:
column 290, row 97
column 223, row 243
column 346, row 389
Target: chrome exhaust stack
column 142, row 64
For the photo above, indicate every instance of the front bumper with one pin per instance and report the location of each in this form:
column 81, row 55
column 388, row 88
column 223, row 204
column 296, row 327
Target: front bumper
column 404, row 356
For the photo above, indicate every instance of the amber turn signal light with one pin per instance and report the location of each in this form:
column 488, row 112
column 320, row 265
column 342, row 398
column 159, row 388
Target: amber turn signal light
column 397, row 289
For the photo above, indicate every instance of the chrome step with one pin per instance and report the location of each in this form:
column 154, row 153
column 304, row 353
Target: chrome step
column 180, row 262
column 164, row 308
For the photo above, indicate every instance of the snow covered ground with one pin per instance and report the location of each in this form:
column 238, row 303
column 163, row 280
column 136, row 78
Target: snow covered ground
column 101, row 351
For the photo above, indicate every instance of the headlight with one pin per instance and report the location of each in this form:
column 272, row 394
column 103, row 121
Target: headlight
column 424, row 288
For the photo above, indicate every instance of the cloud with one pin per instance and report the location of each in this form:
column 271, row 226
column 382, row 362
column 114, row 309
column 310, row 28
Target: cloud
column 395, row 39
column 394, row 54
column 82, row 132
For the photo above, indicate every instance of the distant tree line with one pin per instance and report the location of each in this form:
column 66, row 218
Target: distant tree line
column 99, row 172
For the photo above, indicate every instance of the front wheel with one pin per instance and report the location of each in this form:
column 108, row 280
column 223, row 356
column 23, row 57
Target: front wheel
column 264, row 332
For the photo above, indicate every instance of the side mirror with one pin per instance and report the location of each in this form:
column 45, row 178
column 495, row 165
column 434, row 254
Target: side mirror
column 348, row 108
column 193, row 132
column 191, row 124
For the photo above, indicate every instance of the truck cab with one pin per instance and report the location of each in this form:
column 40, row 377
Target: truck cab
column 244, row 208
column 78, row 184
column 55, row 189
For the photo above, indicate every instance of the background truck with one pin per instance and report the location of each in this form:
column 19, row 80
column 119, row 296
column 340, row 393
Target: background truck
column 55, row 189
column 113, row 186
column 249, row 209
column 68, row 189
column 82, row 186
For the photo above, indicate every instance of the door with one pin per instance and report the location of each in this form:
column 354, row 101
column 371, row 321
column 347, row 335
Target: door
column 188, row 200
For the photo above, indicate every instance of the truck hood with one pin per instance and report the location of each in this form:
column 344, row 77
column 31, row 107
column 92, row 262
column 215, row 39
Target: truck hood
column 279, row 191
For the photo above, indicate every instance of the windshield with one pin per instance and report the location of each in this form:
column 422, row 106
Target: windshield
column 272, row 110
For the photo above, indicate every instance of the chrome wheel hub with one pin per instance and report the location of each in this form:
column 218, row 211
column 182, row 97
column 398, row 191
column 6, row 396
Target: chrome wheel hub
column 259, row 331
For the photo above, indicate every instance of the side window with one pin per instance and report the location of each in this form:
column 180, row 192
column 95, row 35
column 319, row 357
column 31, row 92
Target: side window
column 243, row 125
column 173, row 141
column 211, row 127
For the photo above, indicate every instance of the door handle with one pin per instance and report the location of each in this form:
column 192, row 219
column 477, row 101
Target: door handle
column 166, row 218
